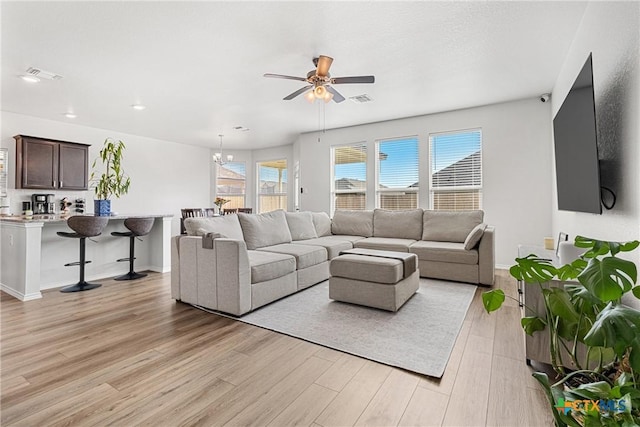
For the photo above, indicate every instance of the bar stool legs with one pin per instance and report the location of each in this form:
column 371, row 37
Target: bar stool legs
column 131, row 275
column 82, row 285
column 83, row 227
column 137, row 227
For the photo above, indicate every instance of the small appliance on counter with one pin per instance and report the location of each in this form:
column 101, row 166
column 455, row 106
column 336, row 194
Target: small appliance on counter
column 26, row 209
column 43, row 204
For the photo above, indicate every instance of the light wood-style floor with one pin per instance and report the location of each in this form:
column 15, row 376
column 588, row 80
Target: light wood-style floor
column 126, row 354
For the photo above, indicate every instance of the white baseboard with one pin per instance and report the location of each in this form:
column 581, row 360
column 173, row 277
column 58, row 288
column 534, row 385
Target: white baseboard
column 20, row 295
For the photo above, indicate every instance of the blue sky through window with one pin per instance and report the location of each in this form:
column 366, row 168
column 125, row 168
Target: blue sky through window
column 399, row 167
column 271, row 174
column 237, row 167
column 450, row 148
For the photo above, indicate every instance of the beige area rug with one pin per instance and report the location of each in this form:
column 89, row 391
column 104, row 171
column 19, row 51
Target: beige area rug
column 419, row 337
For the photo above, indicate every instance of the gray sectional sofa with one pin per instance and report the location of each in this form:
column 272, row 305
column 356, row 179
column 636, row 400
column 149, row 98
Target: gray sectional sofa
column 237, row 263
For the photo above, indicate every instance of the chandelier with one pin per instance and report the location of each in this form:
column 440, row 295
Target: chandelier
column 218, row 157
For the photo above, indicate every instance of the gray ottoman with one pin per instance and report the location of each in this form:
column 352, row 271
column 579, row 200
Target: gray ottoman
column 380, row 279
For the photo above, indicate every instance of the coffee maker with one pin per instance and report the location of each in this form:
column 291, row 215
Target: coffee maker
column 43, row 204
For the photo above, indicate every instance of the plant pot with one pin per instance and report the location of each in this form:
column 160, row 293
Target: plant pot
column 102, row 207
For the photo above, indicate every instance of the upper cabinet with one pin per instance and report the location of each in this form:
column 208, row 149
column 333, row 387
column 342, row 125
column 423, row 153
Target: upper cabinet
column 47, row 164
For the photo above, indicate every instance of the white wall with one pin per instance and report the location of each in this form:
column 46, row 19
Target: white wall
column 610, row 31
column 516, row 165
column 165, row 176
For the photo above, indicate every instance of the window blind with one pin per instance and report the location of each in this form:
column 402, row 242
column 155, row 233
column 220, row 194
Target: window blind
column 349, row 177
column 456, row 170
column 397, row 173
column 272, row 185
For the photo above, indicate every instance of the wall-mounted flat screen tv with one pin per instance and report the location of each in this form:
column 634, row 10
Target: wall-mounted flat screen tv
column 576, row 148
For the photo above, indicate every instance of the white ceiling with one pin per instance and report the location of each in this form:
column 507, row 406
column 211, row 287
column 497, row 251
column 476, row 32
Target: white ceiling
column 198, row 66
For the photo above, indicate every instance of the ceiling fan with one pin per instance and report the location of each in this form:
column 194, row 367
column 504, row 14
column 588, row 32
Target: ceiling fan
column 320, row 81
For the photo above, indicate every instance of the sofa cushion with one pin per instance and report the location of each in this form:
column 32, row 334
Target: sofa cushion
column 449, row 226
column 399, row 224
column 305, row 255
column 367, row 268
column 301, row 225
column 227, row 226
column 444, row 252
column 385, row 244
column 269, row 265
column 354, row 223
column 332, row 245
column 474, row 236
column 266, row 229
column 322, row 223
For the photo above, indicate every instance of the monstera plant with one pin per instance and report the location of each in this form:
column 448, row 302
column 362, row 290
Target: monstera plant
column 603, row 389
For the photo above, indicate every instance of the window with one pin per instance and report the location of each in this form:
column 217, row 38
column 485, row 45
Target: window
column 349, row 176
column 272, row 185
column 397, row 174
column 230, row 184
column 456, row 170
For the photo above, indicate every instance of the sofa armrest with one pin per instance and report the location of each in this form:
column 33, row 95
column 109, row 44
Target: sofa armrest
column 233, row 276
column 486, row 257
column 175, row 267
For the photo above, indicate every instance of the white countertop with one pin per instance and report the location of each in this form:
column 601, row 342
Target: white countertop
column 48, row 219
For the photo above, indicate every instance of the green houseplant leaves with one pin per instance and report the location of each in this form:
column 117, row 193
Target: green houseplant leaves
column 112, row 181
column 586, row 313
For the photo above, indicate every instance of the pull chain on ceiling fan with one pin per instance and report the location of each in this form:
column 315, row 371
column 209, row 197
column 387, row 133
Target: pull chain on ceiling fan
column 320, row 82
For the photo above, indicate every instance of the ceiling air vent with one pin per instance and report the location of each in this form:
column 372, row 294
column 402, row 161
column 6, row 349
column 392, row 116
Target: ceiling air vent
column 42, row 74
column 361, row 99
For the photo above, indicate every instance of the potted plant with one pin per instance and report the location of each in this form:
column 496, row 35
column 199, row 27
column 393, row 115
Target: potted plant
column 603, row 389
column 112, row 181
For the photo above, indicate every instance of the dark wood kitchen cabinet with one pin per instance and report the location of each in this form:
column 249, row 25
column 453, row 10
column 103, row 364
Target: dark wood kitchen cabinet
column 48, row 164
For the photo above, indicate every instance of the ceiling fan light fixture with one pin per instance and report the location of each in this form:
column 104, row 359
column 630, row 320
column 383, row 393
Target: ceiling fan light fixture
column 310, row 96
column 320, row 91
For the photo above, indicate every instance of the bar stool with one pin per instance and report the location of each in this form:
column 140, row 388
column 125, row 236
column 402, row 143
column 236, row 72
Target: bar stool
column 83, row 226
column 137, row 227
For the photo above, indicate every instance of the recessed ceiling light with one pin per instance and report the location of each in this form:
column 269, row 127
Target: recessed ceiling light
column 138, row 107
column 30, row 79
column 70, row 115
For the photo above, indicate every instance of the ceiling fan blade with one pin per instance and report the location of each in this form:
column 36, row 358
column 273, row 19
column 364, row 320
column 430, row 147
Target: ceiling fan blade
column 324, row 63
column 336, row 95
column 296, row 93
column 280, row 76
column 354, row 79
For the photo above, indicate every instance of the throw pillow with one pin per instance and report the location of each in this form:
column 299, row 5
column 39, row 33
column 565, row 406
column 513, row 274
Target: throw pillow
column 353, row 223
column 474, row 236
column 266, row 229
column 301, row 225
column 449, row 226
column 227, row 226
column 322, row 222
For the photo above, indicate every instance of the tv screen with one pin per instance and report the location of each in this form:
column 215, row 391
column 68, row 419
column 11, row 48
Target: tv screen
column 576, row 148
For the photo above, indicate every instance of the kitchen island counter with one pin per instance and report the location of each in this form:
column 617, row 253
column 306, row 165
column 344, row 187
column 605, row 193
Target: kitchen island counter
column 33, row 255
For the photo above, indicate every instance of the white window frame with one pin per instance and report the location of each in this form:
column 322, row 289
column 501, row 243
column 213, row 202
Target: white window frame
column 479, row 188
column 380, row 191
